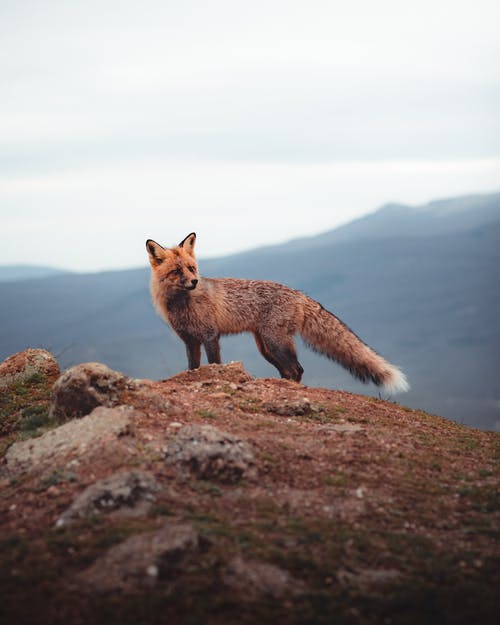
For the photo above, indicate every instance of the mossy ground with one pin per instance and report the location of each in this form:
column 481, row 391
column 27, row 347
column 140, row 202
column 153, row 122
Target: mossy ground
column 393, row 523
column 24, row 410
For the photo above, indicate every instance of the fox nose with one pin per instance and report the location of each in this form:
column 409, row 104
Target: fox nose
column 194, row 282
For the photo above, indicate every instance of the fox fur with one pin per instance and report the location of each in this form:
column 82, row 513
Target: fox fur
column 200, row 310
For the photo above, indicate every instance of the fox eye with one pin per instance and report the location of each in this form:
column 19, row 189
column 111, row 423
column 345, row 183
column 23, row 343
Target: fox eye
column 192, row 269
column 175, row 272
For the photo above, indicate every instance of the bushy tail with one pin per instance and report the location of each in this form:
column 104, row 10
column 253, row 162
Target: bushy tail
column 325, row 333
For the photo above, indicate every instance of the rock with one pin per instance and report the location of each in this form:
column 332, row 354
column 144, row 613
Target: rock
column 102, row 426
column 253, row 579
column 84, row 387
column 347, row 509
column 127, row 493
column 209, row 454
column 292, row 408
column 343, row 428
column 143, row 560
column 24, row 365
column 364, row 578
column 233, row 373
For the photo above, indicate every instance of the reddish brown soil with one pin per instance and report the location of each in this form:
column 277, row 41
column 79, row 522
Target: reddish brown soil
column 381, row 513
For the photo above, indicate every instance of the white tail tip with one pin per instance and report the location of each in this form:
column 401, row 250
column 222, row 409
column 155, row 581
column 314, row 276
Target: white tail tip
column 397, row 382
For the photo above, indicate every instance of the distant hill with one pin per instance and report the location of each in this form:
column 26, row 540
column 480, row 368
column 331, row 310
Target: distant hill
column 13, row 273
column 421, row 285
column 441, row 217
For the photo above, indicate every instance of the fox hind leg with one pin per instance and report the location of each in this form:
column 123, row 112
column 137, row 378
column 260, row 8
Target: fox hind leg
column 282, row 355
column 261, row 346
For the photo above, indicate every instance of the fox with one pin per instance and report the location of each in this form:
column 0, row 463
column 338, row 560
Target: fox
column 201, row 310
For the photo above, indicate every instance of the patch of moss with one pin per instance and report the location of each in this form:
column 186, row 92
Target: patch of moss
column 264, row 424
column 24, row 407
column 357, row 419
column 338, row 479
column 226, row 388
column 318, row 417
column 269, row 458
column 203, row 486
column 34, row 417
column 484, row 498
column 250, row 404
column 36, row 378
column 159, row 509
column 57, row 476
column 82, row 542
column 207, row 414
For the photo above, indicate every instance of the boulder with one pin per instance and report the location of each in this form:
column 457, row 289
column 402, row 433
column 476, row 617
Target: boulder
column 366, row 578
column 294, row 408
column 84, row 387
column 127, row 493
column 210, row 454
column 23, row 366
column 253, row 579
column 96, row 430
column 143, row 559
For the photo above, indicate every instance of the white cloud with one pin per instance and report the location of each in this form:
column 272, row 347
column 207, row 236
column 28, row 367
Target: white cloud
column 118, row 117
column 102, row 217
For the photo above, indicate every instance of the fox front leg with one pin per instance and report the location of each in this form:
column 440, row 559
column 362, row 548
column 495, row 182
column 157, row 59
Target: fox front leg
column 193, row 351
column 212, row 349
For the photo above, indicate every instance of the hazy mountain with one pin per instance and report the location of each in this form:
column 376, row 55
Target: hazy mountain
column 12, row 273
column 420, row 285
column 451, row 216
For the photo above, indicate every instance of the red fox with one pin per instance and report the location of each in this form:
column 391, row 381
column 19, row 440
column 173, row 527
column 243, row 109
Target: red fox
column 200, row 310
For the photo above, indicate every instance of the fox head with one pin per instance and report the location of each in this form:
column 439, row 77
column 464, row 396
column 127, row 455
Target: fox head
column 175, row 267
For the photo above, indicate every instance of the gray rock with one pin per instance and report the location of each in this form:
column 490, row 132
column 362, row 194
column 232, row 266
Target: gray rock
column 342, row 428
column 24, row 365
column 143, row 560
column 84, row 387
column 79, row 437
column 127, row 493
column 365, row 578
column 209, row 454
column 253, row 579
column 292, row 408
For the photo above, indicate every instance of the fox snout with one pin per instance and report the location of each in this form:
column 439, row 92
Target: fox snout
column 182, row 282
column 186, row 282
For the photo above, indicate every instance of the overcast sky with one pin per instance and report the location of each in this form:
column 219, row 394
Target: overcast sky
column 247, row 122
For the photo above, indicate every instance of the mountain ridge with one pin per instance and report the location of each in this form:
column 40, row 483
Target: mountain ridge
column 427, row 303
column 14, row 273
column 370, row 224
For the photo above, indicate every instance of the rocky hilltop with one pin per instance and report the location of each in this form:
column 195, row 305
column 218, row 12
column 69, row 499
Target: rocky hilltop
column 213, row 497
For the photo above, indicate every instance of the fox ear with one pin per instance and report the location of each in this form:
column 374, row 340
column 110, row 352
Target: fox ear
column 156, row 252
column 188, row 242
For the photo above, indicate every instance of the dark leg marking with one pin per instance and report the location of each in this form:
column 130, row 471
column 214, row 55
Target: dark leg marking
column 193, row 350
column 283, row 356
column 212, row 349
column 261, row 346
